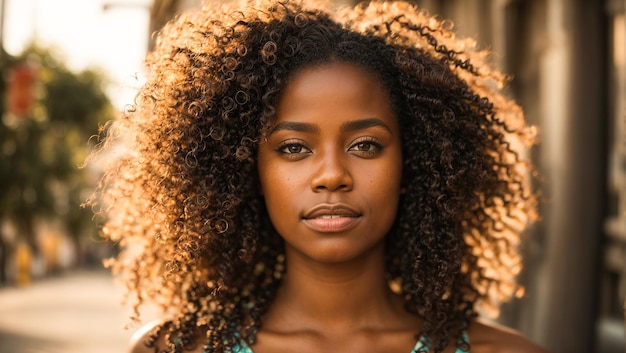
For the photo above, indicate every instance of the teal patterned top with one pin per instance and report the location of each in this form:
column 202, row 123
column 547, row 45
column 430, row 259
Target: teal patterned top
column 420, row 346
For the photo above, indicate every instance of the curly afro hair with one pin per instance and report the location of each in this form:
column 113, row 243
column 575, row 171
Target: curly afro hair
column 183, row 201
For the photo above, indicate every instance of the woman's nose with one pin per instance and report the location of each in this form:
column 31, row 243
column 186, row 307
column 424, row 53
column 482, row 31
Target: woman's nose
column 331, row 174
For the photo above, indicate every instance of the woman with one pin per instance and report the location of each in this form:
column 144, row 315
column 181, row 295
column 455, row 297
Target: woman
column 320, row 180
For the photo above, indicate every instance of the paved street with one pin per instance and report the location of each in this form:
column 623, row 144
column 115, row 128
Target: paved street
column 77, row 312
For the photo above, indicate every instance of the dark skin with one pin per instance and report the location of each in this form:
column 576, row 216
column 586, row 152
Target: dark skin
column 330, row 171
column 334, row 295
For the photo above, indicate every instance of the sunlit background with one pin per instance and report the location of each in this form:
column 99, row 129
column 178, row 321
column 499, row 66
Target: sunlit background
column 109, row 35
column 69, row 65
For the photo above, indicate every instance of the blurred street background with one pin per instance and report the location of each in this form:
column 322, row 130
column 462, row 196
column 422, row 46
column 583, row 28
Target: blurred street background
column 75, row 312
column 68, row 66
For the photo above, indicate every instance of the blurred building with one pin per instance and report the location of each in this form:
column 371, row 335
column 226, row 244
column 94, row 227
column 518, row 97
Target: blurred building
column 568, row 60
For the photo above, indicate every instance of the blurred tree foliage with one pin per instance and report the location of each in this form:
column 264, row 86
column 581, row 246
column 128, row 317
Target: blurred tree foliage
column 41, row 152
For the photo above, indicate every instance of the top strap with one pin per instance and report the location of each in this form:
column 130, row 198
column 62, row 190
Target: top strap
column 422, row 347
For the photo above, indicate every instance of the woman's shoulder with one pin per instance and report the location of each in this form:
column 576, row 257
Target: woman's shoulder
column 145, row 333
column 484, row 337
column 488, row 337
column 140, row 336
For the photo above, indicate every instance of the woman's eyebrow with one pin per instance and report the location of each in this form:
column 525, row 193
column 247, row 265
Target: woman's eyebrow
column 363, row 124
column 294, row 126
column 348, row 126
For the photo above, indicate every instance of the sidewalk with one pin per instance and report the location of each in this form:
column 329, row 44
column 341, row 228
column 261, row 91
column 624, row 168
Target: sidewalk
column 77, row 312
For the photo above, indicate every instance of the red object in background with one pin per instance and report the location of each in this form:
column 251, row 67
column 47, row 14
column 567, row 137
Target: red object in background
column 21, row 89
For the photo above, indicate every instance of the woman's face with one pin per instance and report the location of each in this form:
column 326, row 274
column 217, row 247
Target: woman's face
column 331, row 167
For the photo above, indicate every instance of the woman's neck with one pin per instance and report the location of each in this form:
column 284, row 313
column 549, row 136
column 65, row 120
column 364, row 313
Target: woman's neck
column 336, row 296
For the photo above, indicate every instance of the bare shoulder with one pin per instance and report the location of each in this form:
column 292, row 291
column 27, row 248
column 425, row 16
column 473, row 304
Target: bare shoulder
column 488, row 337
column 143, row 334
column 139, row 337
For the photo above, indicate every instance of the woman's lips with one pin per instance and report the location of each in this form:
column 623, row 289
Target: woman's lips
column 333, row 218
column 332, row 225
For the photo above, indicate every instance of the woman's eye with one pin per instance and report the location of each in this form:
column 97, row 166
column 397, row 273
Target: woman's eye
column 364, row 146
column 293, row 148
column 367, row 148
